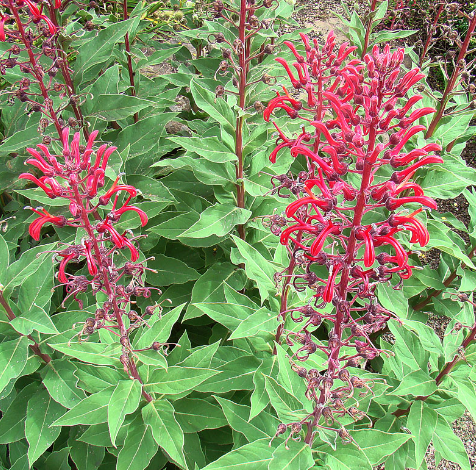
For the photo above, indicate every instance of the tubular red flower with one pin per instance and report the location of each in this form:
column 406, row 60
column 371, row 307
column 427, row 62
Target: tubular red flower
column 393, row 204
column 45, row 216
column 143, row 216
column 296, row 83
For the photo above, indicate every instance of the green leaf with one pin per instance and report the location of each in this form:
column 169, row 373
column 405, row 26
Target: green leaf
column 143, row 135
column 466, row 393
column 139, row 447
column 91, row 410
column 112, row 107
column 449, row 445
column 429, row 339
column 86, row 456
column 169, row 271
column 177, row 380
column 292, row 456
column 416, row 383
column 4, row 256
column 159, row 415
column 61, row 383
column 151, row 357
column 407, row 348
column 287, row 406
column 262, row 426
column 345, row 458
column 217, row 108
column 217, row 220
column 257, row 268
column 201, row 357
column 260, row 321
column 160, row 328
column 253, row 456
column 93, row 353
column 34, row 319
column 98, row 49
column 229, row 315
column 386, row 36
column 12, row 424
column 194, row 415
column 422, row 423
column 209, row 148
column 210, row 286
column 124, row 400
column 13, row 357
column 41, row 412
column 393, row 300
column 259, row 397
column 378, row 444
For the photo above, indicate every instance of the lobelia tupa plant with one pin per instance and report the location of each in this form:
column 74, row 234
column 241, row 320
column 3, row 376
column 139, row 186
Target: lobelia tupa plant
column 78, row 174
column 354, row 213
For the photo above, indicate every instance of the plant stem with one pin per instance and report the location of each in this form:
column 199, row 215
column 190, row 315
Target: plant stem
column 240, row 185
column 35, row 347
column 452, row 82
column 129, row 58
column 369, row 28
column 36, row 70
column 107, row 285
column 284, row 296
column 333, row 361
column 63, row 64
column 430, row 34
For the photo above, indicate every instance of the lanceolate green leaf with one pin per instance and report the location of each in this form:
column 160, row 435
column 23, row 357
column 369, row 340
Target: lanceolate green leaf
column 217, row 220
column 263, row 425
column 209, row 148
column 377, row 444
column 13, row 357
column 124, row 400
column 139, row 447
column 260, row 322
column 177, row 380
column 449, row 445
column 61, row 383
column 194, row 414
column 91, row 410
column 218, row 109
column 253, row 456
column 292, row 456
column 422, row 423
column 417, row 383
column 41, row 412
column 94, row 353
column 12, row 424
column 160, row 328
column 98, row 50
column 170, row 271
column 257, row 268
column 159, row 415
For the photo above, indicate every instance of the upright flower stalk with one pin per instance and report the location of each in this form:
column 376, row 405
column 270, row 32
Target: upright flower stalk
column 78, row 175
column 238, row 60
column 356, row 125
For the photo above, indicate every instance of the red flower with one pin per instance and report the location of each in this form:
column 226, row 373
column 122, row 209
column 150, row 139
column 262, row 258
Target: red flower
column 35, row 226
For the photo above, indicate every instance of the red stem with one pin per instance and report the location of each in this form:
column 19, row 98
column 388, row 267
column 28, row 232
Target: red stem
column 34, row 64
column 129, row 59
column 240, row 185
column 107, row 285
column 369, row 28
column 430, row 33
column 454, row 77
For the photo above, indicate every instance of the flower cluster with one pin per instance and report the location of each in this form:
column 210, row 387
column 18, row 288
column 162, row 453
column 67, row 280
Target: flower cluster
column 78, row 175
column 31, row 28
column 348, row 217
